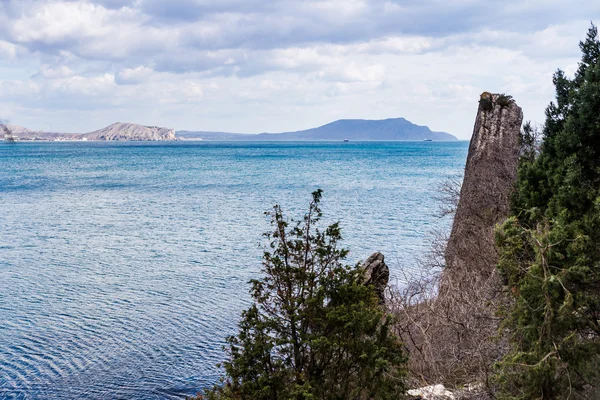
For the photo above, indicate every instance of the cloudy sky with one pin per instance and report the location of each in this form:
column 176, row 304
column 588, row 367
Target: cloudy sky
column 279, row 65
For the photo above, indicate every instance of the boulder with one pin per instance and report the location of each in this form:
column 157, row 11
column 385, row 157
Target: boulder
column 434, row 392
column 377, row 274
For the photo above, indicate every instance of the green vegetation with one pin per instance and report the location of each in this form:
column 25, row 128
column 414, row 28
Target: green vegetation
column 485, row 101
column 550, row 247
column 314, row 331
column 504, row 100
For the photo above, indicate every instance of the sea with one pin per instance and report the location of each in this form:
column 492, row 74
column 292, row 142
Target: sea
column 125, row 265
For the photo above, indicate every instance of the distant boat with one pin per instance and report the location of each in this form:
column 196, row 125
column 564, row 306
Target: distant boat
column 427, row 140
column 345, row 140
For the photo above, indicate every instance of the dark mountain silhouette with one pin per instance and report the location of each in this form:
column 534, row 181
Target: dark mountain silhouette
column 351, row 129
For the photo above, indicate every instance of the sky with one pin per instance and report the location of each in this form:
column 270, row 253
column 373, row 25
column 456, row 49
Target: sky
column 279, row 65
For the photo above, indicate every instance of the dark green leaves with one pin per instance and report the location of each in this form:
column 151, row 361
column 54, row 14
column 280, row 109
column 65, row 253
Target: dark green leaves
column 550, row 248
column 314, row 330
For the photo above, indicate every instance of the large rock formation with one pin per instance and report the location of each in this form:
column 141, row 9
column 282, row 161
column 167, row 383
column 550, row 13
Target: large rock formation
column 470, row 289
column 449, row 322
column 377, row 274
column 489, row 179
column 126, row 131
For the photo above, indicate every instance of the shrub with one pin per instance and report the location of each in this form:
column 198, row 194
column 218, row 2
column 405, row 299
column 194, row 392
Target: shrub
column 314, row 331
column 504, row 100
column 549, row 248
column 451, row 339
column 485, row 101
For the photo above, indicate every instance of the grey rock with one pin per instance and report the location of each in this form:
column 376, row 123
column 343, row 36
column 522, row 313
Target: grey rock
column 377, row 274
column 434, row 392
column 470, row 289
column 127, row 131
column 489, row 179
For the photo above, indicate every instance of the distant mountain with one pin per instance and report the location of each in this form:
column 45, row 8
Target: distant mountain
column 116, row 131
column 28, row 134
column 127, row 131
column 351, row 129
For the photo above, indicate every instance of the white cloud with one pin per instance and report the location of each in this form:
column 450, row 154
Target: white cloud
column 279, row 65
column 81, row 87
column 353, row 72
column 133, row 76
column 8, row 51
column 51, row 72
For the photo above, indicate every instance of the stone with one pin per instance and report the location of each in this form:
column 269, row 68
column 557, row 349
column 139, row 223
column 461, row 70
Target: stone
column 434, row 392
column 490, row 175
column 470, row 289
column 377, row 274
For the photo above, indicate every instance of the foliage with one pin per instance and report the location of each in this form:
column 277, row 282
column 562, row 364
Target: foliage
column 485, row 101
column 529, row 143
column 550, row 247
column 504, row 100
column 314, row 331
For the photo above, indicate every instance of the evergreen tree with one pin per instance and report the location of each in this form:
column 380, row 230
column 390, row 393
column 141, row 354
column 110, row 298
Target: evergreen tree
column 314, row 331
column 550, row 248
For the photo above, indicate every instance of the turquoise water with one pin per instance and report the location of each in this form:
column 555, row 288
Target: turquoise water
column 123, row 266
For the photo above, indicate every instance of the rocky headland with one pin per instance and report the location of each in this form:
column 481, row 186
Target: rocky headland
column 127, row 131
column 117, row 131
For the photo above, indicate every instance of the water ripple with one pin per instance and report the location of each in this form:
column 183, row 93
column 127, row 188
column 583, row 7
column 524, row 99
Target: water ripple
column 125, row 265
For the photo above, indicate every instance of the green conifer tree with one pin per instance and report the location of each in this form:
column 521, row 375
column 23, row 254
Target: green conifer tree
column 314, row 331
column 550, row 248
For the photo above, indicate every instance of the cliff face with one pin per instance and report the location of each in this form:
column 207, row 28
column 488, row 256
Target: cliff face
column 125, row 131
column 377, row 274
column 470, row 289
column 490, row 174
column 449, row 322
